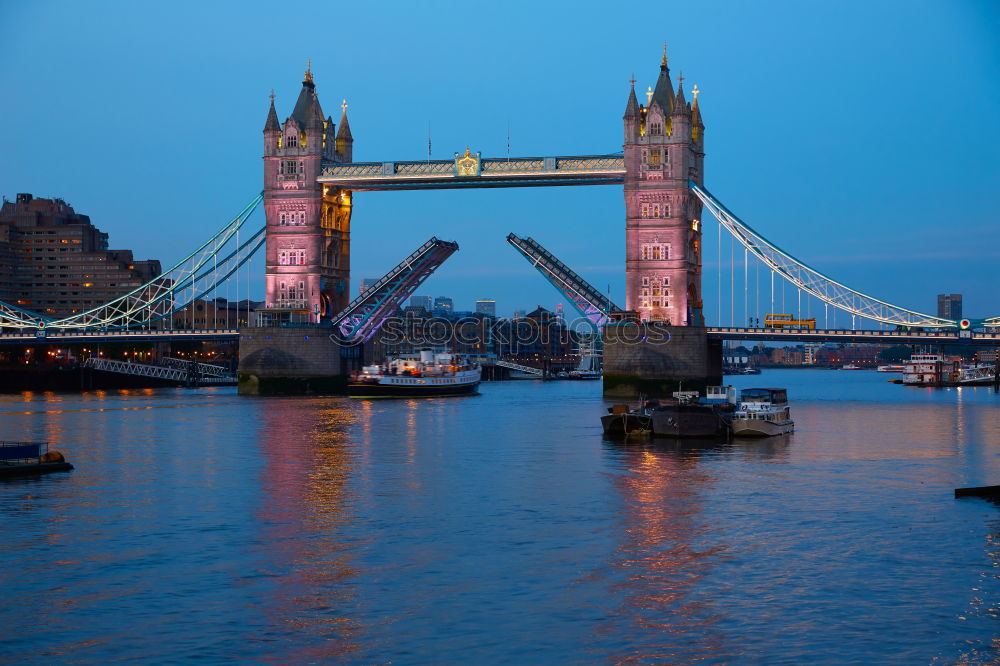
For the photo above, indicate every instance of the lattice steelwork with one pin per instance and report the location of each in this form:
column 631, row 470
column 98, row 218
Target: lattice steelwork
column 493, row 172
column 359, row 321
column 812, row 281
column 191, row 278
column 594, row 306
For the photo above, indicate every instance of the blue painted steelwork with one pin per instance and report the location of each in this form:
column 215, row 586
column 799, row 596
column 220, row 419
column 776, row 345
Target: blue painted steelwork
column 359, row 321
column 812, row 281
column 585, row 298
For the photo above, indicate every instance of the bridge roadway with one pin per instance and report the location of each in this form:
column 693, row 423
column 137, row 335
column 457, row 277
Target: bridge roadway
column 943, row 337
column 78, row 337
column 940, row 337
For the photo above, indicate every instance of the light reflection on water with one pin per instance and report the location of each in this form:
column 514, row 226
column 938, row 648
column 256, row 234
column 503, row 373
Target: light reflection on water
column 501, row 527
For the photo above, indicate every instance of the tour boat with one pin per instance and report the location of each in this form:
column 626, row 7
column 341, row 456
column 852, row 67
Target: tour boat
column 851, row 366
column 762, row 412
column 423, row 375
column 891, row 368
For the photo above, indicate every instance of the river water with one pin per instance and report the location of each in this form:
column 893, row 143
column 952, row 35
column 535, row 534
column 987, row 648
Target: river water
column 201, row 525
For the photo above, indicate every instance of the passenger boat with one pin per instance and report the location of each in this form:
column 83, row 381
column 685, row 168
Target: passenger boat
column 762, row 412
column 687, row 415
column 851, row 366
column 891, row 368
column 30, row 459
column 423, row 375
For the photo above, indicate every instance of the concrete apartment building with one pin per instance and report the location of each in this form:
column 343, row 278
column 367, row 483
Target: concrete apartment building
column 53, row 261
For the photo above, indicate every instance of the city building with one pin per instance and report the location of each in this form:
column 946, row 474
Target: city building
column 444, row 304
column 519, row 314
column 365, row 283
column 810, row 352
column 216, row 313
column 55, row 262
column 949, row 306
column 425, row 302
column 487, row 306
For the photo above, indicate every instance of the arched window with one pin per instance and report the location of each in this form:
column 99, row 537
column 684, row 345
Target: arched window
column 282, row 258
column 281, row 219
column 292, row 140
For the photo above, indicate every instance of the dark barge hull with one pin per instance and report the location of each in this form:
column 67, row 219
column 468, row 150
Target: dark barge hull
column 619, row 425
column 32, row 469
column 382, row 391
column 689, row 421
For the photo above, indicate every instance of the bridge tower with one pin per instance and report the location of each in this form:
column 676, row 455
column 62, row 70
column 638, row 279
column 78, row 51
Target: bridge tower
column 308, row 225
column 664, row 147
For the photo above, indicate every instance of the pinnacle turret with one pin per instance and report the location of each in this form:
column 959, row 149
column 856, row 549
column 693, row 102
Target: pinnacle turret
column 344, row 131
column 632, row 107
column 272, row 123
column 680, row 104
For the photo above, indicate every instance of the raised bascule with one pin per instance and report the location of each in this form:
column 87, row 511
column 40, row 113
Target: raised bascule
column 308, row 336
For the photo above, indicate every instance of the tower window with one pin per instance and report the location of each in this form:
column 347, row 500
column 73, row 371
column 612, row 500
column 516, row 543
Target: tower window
column 290, row 167
column 655, row 252
column 281, row 219
column 293, row 140
column 282, row 258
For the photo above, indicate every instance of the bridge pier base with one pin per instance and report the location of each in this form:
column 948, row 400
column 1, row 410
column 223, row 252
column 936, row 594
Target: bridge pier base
column 654, row 360
column 295, row 361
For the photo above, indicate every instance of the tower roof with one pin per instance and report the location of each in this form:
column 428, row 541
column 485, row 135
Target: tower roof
column 307, row 108
column 632, row 108
column 664, row 91
column 344, row 131
column 272, row 118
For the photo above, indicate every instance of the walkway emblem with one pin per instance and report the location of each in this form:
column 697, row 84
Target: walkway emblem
column 467, row 164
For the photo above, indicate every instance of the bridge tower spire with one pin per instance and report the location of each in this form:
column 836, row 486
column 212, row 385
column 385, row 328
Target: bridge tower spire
column 307, row 226
column 662, row 228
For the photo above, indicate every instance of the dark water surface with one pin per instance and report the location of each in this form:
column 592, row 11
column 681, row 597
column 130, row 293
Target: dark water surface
column 200, row 525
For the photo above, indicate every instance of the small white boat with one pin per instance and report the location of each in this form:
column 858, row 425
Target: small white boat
column 762, row 412
column 892, row 368
column 851, row 366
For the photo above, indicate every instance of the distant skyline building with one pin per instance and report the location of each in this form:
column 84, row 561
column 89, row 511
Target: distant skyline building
column 424, row 302
column 55, row 262
column 487, row 306
column 950, row 306
column 365, row 283
column 444, row 304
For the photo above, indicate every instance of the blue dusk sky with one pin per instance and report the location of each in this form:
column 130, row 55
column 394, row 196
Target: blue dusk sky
column 861, row 137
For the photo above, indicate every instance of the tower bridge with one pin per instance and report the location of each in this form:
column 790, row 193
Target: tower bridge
column 310, row 179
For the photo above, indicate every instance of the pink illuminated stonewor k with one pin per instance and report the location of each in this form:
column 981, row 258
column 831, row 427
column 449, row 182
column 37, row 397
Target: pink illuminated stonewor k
column 308, row 224
column 664, row 147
